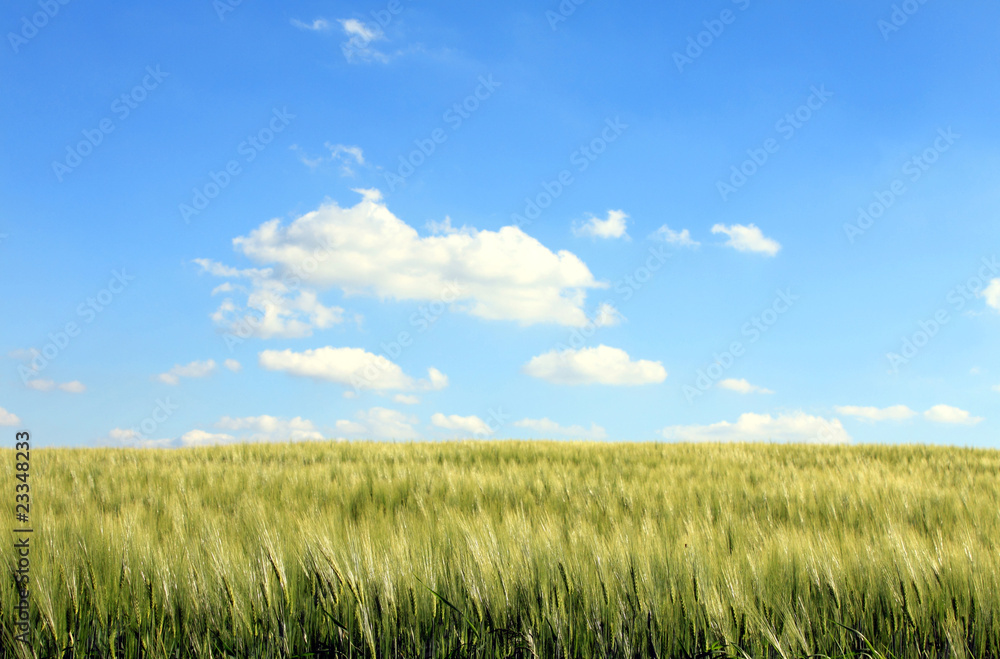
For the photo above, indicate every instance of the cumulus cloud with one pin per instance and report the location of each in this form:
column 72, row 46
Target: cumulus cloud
column 669, row 236
column 600, row 365
column 366, row 250
column 350, row 366
column 949, row 414
column 195, row 369
column 204, row 438
column 379, row 423
column 267, row 428
column 797, row 427
column 992, row 294
column 8, row 418
column 275, row 306
column 74, row 387
column 233, row 365
column 472, row 425
column 748, row 238
column 133, row 438
column 742, row 387
column 607, row 315
column 612, row 227
column 893, row 413
column 406, row 399
column 549, row 428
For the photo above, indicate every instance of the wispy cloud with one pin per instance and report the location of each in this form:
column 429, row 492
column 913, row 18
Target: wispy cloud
column 748, row 238
column 318, row 25
column 195, row 369
column 614, row 226
column 680, row 238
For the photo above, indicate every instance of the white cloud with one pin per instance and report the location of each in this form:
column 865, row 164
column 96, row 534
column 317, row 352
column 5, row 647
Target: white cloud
column 893, row 413
column 472, row 425
column 267, row 428
column 195, row 369
column 347, row 155
column 996, row 388
column 366, row 250
column 406, row 399
column 667, row 235
column 204, row 438
column 74, row 387
column 350, row 366
column 748, row 239
column 380, row 423
column 275, row 307
column 550, row 428
column 742, row 387
column 8, row 418
column 600, row 365
column 360, row 37
column 129, row 437
column 612, row 227
column 797, row 427
column 992, row 294
column 949, row 414
column 318, row 25
column 607, row 315
column 233, row 365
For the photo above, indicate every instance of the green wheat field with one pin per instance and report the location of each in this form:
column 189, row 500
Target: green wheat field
column 510, row 549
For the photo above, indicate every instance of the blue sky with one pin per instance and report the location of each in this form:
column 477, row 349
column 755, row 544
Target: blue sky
column 725, row 221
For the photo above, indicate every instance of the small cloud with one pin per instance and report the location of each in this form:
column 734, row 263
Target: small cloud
column 204, row 438
column 600, row 365
column 40, row 385
column 953, row 415
column 996, row 388
column 318, row 25
column 195, row 369
column 74, row 387
column 406, row 399
column 358, row 45
column 467, row 424
column 975, row 370
column 748, row 238
column 131, row 437
column 608, row 315
column 350, row 366
column 992, row 294
column 347, row 155
column 379, row 423
column 893, row 413
column 667, row 235
column 233, row 365
column 8, row 418
column 797, row 427
column 550, row 428
column 742, row 387
column 612, row 227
